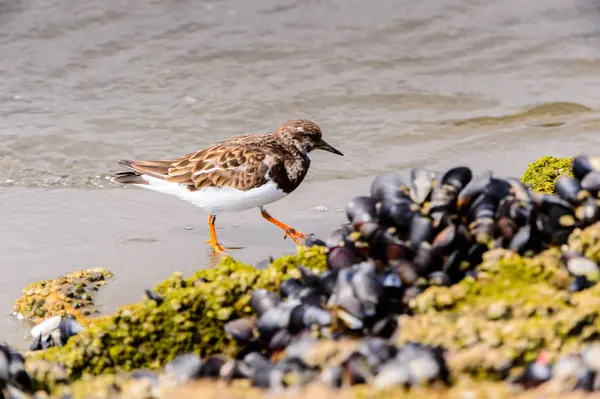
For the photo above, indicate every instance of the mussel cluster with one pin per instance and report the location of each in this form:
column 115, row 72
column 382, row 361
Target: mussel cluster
column 572, row 372
column 54, row 331
column 435, row 228
column 15, row 382
column 372, row 360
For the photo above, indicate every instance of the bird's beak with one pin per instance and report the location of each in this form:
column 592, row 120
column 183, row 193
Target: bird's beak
column 326, row 147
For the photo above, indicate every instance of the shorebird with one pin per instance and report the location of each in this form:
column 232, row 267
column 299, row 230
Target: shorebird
column 237, row 174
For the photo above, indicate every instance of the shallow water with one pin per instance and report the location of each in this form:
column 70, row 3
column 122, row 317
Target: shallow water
column 393, row 84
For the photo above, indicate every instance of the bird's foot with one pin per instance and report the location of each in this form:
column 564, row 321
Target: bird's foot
column 294, row 234
column 216, row 247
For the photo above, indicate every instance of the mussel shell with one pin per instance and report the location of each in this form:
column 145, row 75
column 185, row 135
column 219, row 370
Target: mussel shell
column 211, row 367
column 184, row 367
column 256, row 360
column 367, row 288
column 68, row 327
column 344, row 296
column 588, row 212
column 280, row 340
column 457, row 177
column 388, row 187
column 385, row 327
column 361, row 209
column 421, row 230
column 522, row 240
column 312, row 241
column 426, row 260
column 407, row 272
column 591, row 182
column 421, row 185
column 568, row 189
column 309, row 277
column 304, row 316
column 154, row 297
column 262, row 300
column 337, row 238
column 241, row 330
column 332, row 376
column 439, row 278
column 445, row 240
column 376, row 351
column 358, row 369
column 581, row 166
column 290, row 287
column 340, row 258
column 398, row 214
column 519, row 190
column 473, row 189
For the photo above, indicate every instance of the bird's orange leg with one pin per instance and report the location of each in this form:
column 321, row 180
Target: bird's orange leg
column 218, row 248
column 289, row 232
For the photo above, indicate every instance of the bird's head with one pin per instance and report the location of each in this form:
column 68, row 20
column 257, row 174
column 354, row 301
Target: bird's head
column 304, row 135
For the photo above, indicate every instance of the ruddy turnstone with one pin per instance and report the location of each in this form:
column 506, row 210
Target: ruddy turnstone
column 240, row 173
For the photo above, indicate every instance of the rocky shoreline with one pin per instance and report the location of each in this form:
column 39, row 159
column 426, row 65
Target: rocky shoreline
column 448, row 285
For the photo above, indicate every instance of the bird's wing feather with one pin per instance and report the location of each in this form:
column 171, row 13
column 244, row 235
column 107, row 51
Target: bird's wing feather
column 221, row 165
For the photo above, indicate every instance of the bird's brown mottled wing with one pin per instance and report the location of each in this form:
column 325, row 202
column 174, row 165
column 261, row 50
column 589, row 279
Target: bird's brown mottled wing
column 219, row 166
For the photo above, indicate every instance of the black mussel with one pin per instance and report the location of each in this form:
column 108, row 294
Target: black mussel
column 233, row 369
column 367, row 287
column 522, row 240
column 242, row 330
column 425, row 261
column 588, row 212
column 568, row 189
column 328, row 280
column 256, row 360
column 591, row 182
column 313, row 296
column 396, row 248
column 391, row 283
column 280, row 340
column 262, row 300
column 337, row 238
column 305, row 316
column 444, row 195
column 154, row 297
column 184, row 368
column 392, row 374
column 451, row 266
column 295, row 370
column 439, row 278
column 536, row 373
column 457, row 177
column 290, row 287
column 398, row 214
column 444, row 241
column 385, row 327
column 581, row 166
column 211, row 367
column 275, row 319
column 421, row 230
column 388, row 187
column 376, row 351
column 18, row 376
column 309, row 277
column 312, row 241
column 475, row 254
column 4, row 364
column 473, row 189
column 407, row 272
column 421, row 185
column 519, row 190
column 357, row 369
column 499, row 188
column 268, row 378
column 68, row 327
column 361, row 209
column 340, row 258
column 344, row 295
column 332, row 376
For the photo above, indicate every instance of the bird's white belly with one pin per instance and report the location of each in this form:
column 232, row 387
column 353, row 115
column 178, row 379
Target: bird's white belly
column 219, row 199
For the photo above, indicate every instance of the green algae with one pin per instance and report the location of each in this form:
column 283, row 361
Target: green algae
column 542, row 174
column 190, row 319
column 514, row 308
